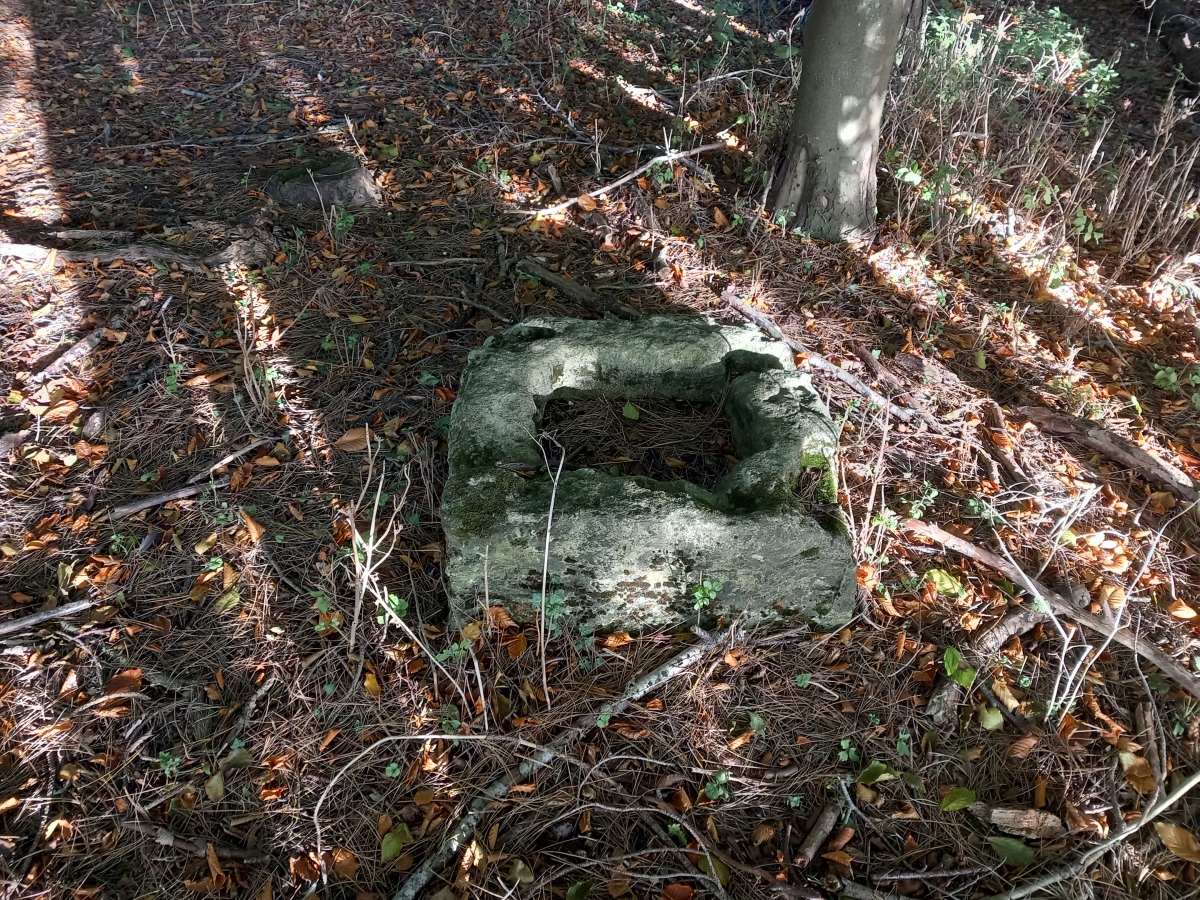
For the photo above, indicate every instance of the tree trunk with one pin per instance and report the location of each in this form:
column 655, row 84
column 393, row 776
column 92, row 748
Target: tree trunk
column 825, row 185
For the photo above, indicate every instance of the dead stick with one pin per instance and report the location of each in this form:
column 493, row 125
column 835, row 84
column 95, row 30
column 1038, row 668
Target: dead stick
column 15, row 626
column 903, row 413
column 1058, row 603
column 625, row 179
column 466, row 826
column 820, row 831
column 573, row 289
column 196, row 848
column 1094, row 853
column 200, row 476
column 136, row 506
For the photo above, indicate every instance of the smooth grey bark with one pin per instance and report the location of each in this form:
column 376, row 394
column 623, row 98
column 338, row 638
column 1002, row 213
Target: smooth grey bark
column 826, row 182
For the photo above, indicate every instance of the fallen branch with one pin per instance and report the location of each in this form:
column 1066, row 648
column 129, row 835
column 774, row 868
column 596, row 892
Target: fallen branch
column 249, row 251
column 236, row 454
column 1090, row 856
column 466, row 826
column 817, row 361
column 576, row 291
column 253, row 140
column 625, row 179
column 14, row 626
column 1058, row 603
column 1112, row 446
column 816, row 837
column 195, row 847
column 136, row 506
column 71, row 355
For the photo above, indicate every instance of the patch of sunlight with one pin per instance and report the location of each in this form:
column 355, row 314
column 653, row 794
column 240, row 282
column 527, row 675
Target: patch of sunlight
column 28, row 192
column 700, row 10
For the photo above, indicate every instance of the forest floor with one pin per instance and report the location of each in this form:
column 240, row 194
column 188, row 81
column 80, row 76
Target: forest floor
column 204, row 707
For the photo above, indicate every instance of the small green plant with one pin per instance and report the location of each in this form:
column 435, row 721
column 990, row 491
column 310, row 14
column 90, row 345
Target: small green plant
column 449, row 718
column 1084, row 228
column 848, row 753
column 705, row 593
column 885, row 519
column 917, row 508
column 428, row 379
column 718, row 788
column 397, row 606
column 343, row 221
column 392, row 770
column 804, row 679
column 602, row 720
column 904, row 744
column 675, row 830
column 169, row 763
column 171, row 383
column 757, row 723
column 456, row 652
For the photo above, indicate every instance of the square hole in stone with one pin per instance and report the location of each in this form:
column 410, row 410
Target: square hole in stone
column 667, row 440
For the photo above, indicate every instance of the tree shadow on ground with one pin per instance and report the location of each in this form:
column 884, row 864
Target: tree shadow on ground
column 224, row 602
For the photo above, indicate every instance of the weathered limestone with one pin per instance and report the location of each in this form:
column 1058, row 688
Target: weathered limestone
column 325, row 183
column 629, row 551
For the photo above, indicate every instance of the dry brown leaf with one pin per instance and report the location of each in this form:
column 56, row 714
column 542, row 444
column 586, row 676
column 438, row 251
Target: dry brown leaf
column 355, row 440
column 371, row 685
column 586, row 202
column 762, row 832
column 255, row 530
column 1181, row 610
column 1005, row 695
column 742, row 739
column 841, row 857
column 1079, row 821
column 517, row 646
column 719, row 218
column 1138, row 772
column 1019, row 749
column 1179, row 841
column 344, row 863
column 125, row 682
column 499, row 618
column 617, row 640
column 423, row 798
column 677, row 892
column 385, row 824
column 618, row 882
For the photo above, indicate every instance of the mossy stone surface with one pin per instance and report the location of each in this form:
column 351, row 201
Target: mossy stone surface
column 628, row 551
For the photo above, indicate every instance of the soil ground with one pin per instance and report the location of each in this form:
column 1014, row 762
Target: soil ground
column 230, row 715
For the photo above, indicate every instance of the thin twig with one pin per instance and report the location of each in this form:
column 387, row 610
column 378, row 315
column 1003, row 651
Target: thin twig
column 236, row 454
column 625, row 179
column 136, row 506
column 1058, row 603
column 546, row 573
column 14, row 626
column 1090, row 856
column 466, row 826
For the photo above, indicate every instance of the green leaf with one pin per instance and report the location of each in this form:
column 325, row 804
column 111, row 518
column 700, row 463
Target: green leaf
column 945, row 582
column 877, row 771
column 520, row 871
column 713, row 868
column 953, row 662
column 581, row 890
column 391, row 846
column 980, row 359
column 804, row 679
column 238, row 758
column 958, row 798
column 630, row 411
column 1014, row 851
column 215, row 788
column 227, row 601
column 990, row 718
